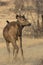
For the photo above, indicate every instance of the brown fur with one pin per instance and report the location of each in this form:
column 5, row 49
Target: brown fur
column 12, row 31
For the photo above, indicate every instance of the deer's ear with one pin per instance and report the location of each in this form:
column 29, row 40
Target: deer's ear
column 42, row 16
column 17, row 16
column 23, row 16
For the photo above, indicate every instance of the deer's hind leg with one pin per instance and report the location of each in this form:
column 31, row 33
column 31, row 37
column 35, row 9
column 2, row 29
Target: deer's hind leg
column 15, row 47
column 8, row 48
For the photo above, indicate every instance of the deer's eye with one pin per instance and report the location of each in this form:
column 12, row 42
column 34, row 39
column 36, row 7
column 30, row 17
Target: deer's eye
column 23, row 20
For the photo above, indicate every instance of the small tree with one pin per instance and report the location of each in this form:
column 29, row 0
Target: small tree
column 42, row 21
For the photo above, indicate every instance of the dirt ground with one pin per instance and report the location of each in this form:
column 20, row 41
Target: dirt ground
column 33, row 53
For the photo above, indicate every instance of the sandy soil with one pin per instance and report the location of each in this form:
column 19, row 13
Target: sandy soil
column 33, row 53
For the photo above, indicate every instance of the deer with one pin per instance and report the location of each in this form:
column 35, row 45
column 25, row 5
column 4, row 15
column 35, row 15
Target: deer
column 12, row 31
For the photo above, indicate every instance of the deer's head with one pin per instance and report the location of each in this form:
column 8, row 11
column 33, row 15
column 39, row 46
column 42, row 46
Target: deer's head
column 22, row 20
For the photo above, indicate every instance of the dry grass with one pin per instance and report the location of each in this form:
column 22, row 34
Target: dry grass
column 33, row 53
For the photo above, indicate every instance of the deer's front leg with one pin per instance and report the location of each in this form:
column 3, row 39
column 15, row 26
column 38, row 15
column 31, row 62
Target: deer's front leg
column 21, row 47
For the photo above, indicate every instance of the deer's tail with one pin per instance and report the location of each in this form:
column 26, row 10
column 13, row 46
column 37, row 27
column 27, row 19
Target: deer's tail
column 7, row 21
